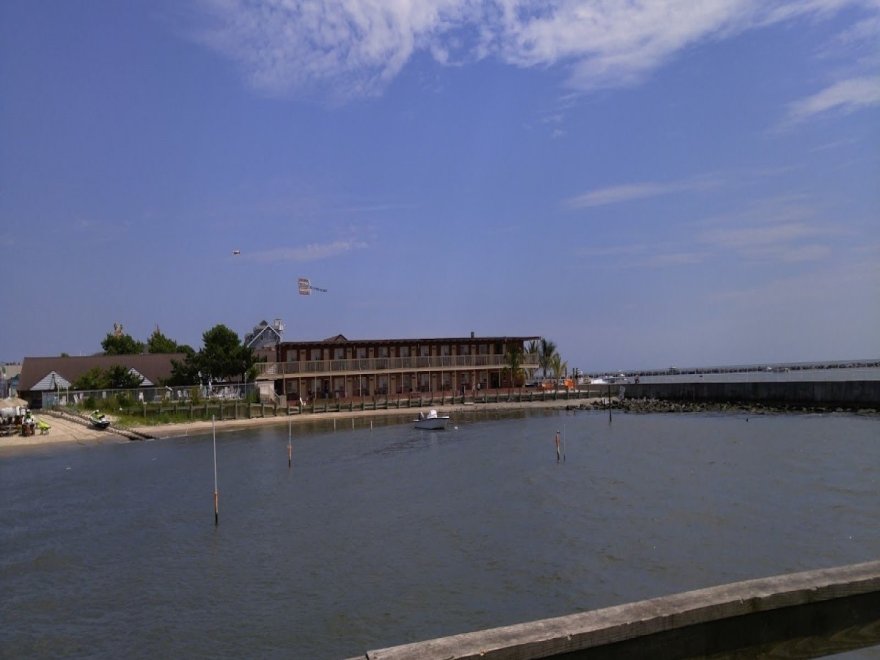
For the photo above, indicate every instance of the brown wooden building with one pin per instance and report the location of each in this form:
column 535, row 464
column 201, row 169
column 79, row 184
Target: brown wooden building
column 342, row 368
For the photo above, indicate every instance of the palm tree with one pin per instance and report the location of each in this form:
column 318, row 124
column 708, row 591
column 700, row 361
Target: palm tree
column 557, row 366
column 532, row 352
column 513, row 358
column 546, row 351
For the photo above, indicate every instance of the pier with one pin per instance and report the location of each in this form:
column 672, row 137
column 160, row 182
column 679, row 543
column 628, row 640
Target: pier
column 825, row 394
column 778, row 368
column 799, row 615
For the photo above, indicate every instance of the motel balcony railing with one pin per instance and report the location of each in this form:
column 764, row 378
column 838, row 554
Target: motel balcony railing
column 267, row 370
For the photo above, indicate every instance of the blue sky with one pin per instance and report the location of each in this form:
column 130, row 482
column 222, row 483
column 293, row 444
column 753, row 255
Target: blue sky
column 645, row 184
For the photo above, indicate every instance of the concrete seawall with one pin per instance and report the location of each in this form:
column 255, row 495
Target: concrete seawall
column 832, row 609
column 829, row 394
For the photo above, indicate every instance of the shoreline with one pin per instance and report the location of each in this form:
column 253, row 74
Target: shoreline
column 67, row 433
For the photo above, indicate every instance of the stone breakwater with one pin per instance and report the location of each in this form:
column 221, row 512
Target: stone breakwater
column 795, row 395
column 664, row 406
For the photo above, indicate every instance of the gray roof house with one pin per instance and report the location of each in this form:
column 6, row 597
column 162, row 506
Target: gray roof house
column 48, row 374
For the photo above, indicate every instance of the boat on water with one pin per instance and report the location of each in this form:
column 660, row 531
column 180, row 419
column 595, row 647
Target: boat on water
column 99, row 420
column 432, row 421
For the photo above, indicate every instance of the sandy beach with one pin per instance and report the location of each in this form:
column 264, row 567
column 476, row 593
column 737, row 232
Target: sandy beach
column 67, row 432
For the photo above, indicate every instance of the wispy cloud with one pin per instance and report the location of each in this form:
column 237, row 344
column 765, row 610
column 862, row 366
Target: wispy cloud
column 633, row 191
column 353, row 48
column 782, row 229
column 748, row 237
column 643, row 255
column 786, row 243
column 356, row 47
column 824, row 286
column 311, row 252
column 843, row 96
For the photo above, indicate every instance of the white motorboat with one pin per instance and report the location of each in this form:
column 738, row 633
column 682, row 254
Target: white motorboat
column 432, row 421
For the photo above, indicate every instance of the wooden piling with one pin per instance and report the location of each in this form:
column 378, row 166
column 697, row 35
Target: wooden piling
column 216, row 492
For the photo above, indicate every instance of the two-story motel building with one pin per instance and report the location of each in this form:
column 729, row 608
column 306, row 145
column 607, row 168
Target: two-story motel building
column 342, row 368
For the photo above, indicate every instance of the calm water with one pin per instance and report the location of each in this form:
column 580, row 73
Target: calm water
column 382, row 537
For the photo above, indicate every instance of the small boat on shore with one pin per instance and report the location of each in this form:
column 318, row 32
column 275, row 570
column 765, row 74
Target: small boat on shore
column 432, row 421
column 99, row 420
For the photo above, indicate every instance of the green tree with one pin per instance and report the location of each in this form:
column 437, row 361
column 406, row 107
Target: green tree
column 513, row 370
column 121, row 344
column 120, row 377
column 159, row 343
column 557, row 366
column 546, row 353
column 94, row 379
column 223, row 355
column 184, row 372
column 532, row 352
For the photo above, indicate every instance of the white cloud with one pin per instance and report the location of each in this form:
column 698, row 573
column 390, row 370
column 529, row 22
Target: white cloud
column 752, row 237
column 311, row 252
column 633, row 191
column 843, row 96
column 355, row 47
column 641, row 255
column 781, row 230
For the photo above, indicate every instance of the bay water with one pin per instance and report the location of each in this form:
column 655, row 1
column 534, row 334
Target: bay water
column 387, row 535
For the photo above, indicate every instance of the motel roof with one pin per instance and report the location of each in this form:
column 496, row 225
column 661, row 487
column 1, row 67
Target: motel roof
column 341, row 339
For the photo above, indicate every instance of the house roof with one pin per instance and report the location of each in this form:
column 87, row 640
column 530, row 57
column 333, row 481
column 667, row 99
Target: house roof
column 341, row 339
column 256, row 336
column 154, row 367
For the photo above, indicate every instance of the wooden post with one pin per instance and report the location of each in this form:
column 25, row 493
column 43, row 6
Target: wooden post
column 609, row 403
column 216, row 492
column 289, row 444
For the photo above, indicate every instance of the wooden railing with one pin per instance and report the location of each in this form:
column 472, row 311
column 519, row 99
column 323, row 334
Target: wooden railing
column 374, row 365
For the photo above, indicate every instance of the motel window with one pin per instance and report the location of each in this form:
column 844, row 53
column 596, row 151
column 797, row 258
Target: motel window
column 464, row 349
column 424, row 350
column 383, row 352
column 444, row 349
column 338, row 353
column 316, row 354
column 484, row 349
column 404, row 351
column 361, row 352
